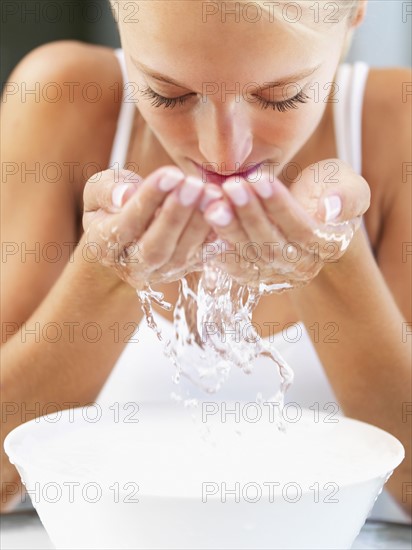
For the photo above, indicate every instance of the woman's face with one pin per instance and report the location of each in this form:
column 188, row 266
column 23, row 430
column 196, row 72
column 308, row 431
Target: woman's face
column 223, row 67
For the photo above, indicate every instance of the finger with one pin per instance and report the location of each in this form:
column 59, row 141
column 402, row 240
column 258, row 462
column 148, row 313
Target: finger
column 119, row 229
column 159, row 241
column 348, row 192
column 108, row 189
column 211, row 193
column 108, row 193
column 140, row 210
column 250, row 212
column 346, row 202
column 221, row 217
column 292, row 221
column 235, row 259
column 189, row 244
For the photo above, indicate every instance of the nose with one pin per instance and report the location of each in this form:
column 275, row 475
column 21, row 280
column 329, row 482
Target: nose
column 225, row 136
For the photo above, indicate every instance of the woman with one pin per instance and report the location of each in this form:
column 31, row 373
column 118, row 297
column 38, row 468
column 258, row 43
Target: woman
column 199, row 75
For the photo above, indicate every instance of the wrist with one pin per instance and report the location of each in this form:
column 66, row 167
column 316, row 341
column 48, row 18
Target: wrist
column 87, row 257
column 350, row 270
column 357, row 258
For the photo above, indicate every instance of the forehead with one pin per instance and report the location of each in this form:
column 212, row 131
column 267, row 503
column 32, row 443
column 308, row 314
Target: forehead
column 219, row 40
column 299, row 15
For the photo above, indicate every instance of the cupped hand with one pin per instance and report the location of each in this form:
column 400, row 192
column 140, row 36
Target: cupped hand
column 278, row 235
column 148, row 230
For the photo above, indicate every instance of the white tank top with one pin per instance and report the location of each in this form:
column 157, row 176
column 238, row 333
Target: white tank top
column 143, row 373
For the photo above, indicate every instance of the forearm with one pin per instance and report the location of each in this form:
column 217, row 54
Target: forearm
column 73, row 344
column 369, row 367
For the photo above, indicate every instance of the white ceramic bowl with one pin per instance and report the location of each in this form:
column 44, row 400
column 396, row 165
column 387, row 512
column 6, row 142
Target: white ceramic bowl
column 154, row 476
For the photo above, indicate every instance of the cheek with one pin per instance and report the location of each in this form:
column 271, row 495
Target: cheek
column 172, row 130
column 155, row 117
column 291, row 127
column 311, row 114
column 172, row 126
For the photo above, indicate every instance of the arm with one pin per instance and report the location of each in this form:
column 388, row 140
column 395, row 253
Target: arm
column 38, row 368
column 75, row 291
column 370, row 366
column 72, row 370
column 371, row 302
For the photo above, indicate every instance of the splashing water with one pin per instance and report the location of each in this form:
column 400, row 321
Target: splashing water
column 211, row 317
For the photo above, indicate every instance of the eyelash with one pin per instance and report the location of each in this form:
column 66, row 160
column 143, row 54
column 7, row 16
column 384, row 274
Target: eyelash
column 171, row 102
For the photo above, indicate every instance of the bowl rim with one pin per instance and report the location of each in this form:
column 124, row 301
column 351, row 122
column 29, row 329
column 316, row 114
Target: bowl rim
column 14, row 435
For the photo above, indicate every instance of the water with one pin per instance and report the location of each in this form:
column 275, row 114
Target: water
column 213, row 330
column 210, row 318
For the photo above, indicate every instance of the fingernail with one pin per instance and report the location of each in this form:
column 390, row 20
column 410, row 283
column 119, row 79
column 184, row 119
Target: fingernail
column 190, row 190
column 209, row 195
column 263, row 188
column 254, row 174
column 170, row 179
column 221, row 215
column 237, row 192
column 333, row 207
column 118, row 194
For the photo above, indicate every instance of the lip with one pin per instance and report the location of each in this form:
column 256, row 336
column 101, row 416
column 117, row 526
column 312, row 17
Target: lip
column 215, row 177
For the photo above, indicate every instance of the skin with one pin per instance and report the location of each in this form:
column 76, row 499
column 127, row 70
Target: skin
column 220, row 132
column 227, row 133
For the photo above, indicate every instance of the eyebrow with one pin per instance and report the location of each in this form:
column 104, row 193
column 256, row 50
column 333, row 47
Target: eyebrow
column 273, row 84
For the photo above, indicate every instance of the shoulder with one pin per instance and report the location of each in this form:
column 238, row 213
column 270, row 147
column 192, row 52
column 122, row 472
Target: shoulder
column 64, row 97
column 387, row 156
column 386, row 143
column 64, row 58
column 66, row 76
column 388, row 101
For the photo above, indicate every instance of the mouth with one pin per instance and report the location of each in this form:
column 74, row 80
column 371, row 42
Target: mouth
column 216, row 177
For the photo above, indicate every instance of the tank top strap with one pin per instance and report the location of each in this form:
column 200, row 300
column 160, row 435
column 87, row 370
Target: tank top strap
column 347, row 111
column 350, row 81
column 124, row 121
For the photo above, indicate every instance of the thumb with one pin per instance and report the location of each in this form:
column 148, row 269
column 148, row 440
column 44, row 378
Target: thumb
column 332, row 191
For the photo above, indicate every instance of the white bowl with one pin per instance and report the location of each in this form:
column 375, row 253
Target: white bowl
column 154, row 476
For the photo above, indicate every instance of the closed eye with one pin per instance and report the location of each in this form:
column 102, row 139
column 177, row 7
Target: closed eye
column 171, row 102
